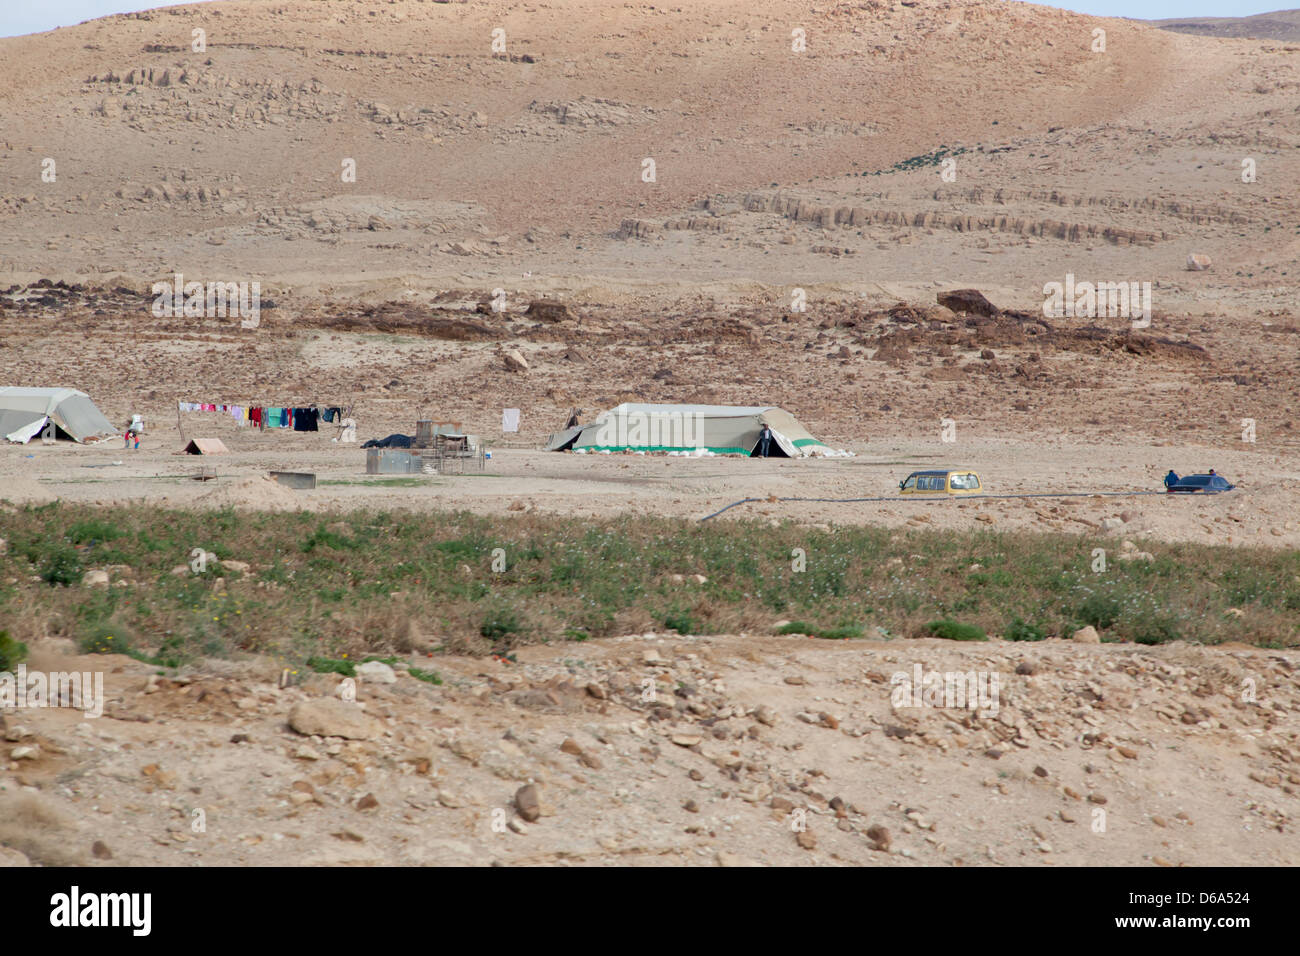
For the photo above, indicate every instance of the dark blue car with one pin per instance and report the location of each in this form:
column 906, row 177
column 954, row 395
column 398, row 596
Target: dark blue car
column 1200, row 484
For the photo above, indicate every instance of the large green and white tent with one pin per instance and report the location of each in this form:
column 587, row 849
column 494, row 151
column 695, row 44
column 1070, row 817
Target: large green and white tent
column 24, row 413
column 690, row 430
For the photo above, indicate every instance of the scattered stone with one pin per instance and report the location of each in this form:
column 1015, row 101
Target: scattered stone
column 1196, row 262
column 880, row 838
column 451, row 800
column 806, row 840
column 368, row 802
column 100, row 851
column 528, row 802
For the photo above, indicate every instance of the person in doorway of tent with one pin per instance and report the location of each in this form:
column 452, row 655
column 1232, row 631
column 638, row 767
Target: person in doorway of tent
column 764, row 441
column 1171, row 478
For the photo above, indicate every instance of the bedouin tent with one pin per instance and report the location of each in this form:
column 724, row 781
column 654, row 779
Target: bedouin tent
column 690, row 429
column 206, row 446
column 25, row 411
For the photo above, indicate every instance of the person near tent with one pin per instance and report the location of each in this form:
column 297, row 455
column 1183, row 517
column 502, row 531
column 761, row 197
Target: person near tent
column 133, row 429
column 764, row 441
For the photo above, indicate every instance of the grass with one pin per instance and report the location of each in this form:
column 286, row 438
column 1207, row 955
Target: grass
column 337, row 588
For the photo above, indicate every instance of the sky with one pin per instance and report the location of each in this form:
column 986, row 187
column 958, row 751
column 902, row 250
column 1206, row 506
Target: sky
column 33, row 16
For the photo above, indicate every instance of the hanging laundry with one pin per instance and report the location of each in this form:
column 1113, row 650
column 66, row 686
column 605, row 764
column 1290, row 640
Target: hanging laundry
column 304, row 419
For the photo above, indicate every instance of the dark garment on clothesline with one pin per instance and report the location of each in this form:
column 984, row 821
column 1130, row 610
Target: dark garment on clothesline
column 304, row 419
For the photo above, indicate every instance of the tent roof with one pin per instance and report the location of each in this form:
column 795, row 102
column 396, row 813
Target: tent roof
column 206, row 446
column 71, row 410
column 55, row 395
column 708, row 411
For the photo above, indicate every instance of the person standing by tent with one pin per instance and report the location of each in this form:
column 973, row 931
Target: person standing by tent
column 764, row 441
column 133, row 430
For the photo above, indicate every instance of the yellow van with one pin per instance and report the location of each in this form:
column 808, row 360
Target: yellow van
column 957, row 482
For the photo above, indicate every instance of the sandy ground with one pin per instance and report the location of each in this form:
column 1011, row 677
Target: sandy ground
column 754, row 750
column 1261, row 512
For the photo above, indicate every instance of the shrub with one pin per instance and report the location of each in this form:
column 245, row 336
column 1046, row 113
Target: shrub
column 12, row 653
column 955, row 631
column 1018, row 630
column 681, row 622
column 1099, row 610
column 328, row 665
column 105, row 640
column 61, row 566
column 499, row 624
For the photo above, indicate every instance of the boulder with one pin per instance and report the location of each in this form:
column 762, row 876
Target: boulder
column 1086, row 635
column 1197, row 262
column 514, row 360
column 548, row 310
column 971, row 301
column 327, row 717
column 376, row 672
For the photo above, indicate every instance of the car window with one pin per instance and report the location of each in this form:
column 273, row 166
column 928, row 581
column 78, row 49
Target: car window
column 972, row 481
column 934, row 483
column 910, row 484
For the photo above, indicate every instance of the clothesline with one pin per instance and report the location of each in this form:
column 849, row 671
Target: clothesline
column 299, row 418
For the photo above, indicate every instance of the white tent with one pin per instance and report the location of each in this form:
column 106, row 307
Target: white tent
column 24, row 413
column 690, row 429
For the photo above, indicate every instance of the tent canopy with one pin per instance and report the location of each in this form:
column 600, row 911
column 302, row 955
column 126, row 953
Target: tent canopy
column 719, row 429
column 24, row 411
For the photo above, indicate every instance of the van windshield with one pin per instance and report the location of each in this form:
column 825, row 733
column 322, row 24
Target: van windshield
column 910, row 484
